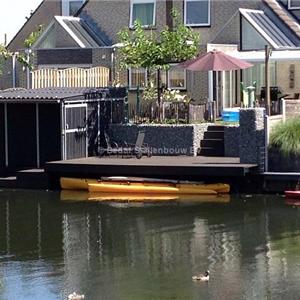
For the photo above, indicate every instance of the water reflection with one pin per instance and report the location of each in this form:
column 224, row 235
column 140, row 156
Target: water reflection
column 50, row 248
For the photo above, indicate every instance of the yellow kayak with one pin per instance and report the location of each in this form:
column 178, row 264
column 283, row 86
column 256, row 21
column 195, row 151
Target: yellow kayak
column 68, row 183
column 143, row 187
column 103, row 187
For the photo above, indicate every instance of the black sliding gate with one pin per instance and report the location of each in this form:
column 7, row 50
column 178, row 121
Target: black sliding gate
column 75, row 137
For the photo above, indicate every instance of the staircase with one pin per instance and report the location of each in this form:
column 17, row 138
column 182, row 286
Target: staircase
column 212, row 143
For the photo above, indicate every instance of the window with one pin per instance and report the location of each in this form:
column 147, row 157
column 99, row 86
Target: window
column 294, row 4
column 70, row 7
column 175, row 78
column 197, row 12
column 137, row 78
column 144, row 11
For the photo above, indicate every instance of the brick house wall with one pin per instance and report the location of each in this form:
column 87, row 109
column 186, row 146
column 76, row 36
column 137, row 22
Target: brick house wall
column 112, row 16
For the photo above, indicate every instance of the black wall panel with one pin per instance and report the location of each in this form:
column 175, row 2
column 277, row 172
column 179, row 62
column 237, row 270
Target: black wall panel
column 21, row 119
column 50, row 132
column 64, row 56
column 2, row 137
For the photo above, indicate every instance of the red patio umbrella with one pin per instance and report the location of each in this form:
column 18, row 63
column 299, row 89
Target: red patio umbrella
column 215, row 61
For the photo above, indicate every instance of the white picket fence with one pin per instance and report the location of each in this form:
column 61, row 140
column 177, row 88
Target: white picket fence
column 72, row 77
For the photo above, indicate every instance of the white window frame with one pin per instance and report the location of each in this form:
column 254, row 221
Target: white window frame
column 198, row 24
column 132, row 2
column 65, row 6
column 169, row 81
column 291, row 7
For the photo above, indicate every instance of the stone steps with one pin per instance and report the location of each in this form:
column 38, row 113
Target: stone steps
column 212, row 143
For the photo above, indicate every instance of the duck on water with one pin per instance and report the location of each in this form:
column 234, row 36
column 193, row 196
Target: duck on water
column 201, row 277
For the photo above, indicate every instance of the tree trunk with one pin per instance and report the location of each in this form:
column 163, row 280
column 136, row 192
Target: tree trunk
column 159, row 95
column 169, row 19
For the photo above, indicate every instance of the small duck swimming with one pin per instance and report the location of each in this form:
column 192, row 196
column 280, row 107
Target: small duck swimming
column 75, row 296
column 204, row 277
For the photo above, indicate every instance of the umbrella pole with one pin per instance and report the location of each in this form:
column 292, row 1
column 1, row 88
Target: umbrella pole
column 213, row 100
column 217, row 97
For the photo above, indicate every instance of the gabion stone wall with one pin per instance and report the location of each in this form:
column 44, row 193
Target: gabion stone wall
column 232, row 141
column 252, row 135
column 164, row 140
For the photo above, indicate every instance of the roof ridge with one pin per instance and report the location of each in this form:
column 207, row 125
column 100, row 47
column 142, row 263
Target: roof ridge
column 284, row 15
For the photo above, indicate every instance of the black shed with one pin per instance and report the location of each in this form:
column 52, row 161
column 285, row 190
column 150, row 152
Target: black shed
column 41, row 125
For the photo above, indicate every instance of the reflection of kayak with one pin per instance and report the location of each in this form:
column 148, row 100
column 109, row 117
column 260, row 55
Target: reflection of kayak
column 119, row 197
column 147, row 186
column 68, row 195
column 292, row 194
column 126, row 197
column 292, row 202
column 74, row 195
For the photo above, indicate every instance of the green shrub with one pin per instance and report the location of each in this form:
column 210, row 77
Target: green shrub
column 286, row 137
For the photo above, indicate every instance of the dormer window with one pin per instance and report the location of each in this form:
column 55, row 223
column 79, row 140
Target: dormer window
column 70, row 7
column 294, row 4
column 144, row 11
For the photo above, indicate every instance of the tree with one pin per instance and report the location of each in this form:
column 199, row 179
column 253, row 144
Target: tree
column 144, row 48
column 6, row 54
column 22, row 58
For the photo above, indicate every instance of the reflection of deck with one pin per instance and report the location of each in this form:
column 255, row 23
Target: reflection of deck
column 171, row 166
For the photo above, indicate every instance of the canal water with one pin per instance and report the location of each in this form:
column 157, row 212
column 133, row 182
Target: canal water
column 50, row 248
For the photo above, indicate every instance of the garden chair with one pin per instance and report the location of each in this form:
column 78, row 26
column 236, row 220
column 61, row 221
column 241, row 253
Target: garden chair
column 138, row 149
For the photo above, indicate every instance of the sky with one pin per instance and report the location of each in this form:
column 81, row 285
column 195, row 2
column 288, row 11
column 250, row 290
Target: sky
column 12, row 16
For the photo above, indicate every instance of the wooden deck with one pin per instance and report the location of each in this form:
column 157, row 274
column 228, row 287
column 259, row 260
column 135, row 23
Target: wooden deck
column 162, row 167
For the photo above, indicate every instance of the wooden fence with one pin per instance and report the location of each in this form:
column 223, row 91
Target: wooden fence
column 72, row 77
column 171, row 112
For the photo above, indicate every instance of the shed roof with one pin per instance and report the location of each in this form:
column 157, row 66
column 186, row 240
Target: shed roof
column 43, row 94
column 61, row 94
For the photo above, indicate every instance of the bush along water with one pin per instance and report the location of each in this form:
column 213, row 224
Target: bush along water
column 285, row 137
column 284, row 150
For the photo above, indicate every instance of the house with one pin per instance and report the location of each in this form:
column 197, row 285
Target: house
column 13, row 74
column 240, row 28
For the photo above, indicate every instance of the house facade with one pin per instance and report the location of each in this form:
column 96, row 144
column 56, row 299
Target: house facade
column 240, row 28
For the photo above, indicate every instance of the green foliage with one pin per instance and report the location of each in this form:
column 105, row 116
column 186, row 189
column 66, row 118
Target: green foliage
column 150, row 93
column 286, row 137
column 4, row 55
column 147, row 49
column 32, row 38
